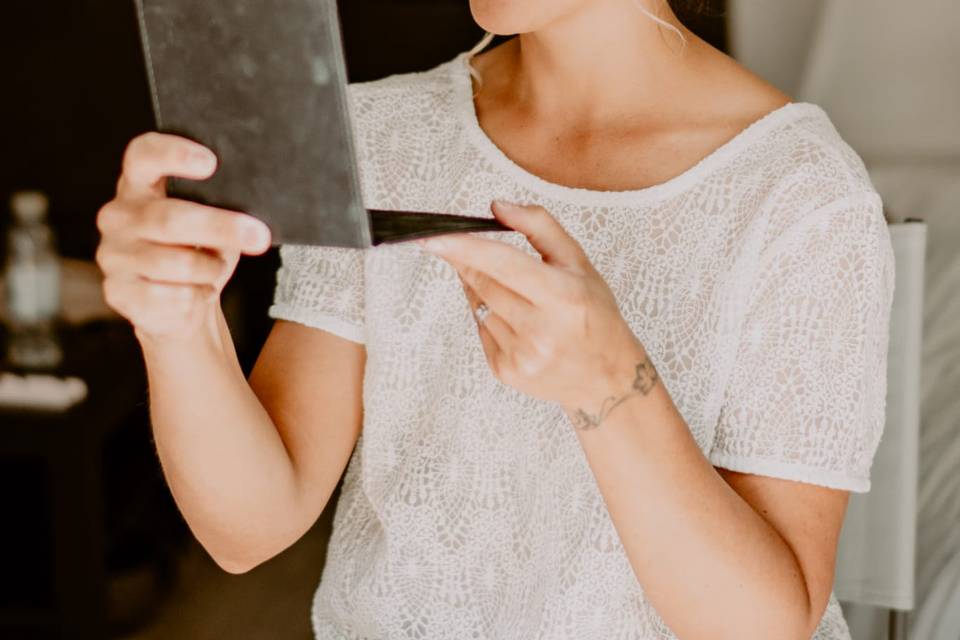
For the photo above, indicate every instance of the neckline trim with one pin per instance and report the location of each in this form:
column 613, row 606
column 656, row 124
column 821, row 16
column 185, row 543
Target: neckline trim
column 467, row 111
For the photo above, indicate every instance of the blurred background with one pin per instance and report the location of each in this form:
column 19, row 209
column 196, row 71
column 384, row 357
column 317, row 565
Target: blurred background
column 92, row 545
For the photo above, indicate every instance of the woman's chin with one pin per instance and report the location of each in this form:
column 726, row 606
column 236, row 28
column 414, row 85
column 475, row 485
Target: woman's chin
column 503, row 17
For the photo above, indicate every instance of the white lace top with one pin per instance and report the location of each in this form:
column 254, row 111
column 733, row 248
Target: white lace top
column 759, row 281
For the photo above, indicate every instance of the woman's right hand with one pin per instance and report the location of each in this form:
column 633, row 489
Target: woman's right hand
column 166, row 261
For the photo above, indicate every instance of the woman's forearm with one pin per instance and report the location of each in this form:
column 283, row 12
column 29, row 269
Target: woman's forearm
column 225, row 462
column 711, row 566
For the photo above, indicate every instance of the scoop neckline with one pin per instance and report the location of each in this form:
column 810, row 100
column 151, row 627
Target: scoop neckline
column 467, row 110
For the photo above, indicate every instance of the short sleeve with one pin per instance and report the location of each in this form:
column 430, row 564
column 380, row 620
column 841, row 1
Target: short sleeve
column 323, row 288
column 806, row 398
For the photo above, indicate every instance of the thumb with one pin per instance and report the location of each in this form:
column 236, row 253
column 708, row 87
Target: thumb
column 544, row 233
column 231, row 259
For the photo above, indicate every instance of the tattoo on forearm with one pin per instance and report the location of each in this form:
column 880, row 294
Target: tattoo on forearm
column 643, row 382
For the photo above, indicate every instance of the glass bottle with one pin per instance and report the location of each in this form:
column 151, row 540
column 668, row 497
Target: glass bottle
column 33, row 285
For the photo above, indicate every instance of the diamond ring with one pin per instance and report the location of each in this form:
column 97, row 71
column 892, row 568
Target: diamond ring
column 482, row 312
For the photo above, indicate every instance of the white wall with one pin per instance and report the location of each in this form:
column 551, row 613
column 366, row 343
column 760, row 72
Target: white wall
column 887, row 71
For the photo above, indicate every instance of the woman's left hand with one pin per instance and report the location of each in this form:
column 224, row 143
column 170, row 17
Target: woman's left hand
column 554, row 330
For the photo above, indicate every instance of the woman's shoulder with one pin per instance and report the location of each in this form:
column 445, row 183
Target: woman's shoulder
column 791, row 142
column 792, row 165
column 810, row 172
column 405, row 126
column 398, row 97
column 810, row 148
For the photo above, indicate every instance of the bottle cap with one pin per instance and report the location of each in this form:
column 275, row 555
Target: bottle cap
column 29, row 206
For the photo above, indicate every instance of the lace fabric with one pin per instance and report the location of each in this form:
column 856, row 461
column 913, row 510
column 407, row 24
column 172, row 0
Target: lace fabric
column 760, row 282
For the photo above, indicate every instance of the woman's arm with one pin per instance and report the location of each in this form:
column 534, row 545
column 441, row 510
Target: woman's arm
column 719, row 554
column 250, row 468
column 252, row 465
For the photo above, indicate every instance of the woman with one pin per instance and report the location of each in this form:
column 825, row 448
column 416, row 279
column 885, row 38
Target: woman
column 638, row 417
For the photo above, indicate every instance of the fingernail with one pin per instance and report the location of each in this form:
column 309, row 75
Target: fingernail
column 503, row 205
column 435, row 243
column 203, row 158
column 256, row 235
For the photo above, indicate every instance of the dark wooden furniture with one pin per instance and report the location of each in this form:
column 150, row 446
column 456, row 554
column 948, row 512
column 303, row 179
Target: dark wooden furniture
column 65, row 449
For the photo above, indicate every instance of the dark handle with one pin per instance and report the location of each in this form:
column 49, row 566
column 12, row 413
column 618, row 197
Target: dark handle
column 398, row 226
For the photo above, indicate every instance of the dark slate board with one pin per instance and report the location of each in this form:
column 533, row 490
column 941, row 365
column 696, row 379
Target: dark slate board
column 263, row 85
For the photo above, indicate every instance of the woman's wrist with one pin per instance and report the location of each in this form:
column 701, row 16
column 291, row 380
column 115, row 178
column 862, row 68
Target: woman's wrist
column 206, row 338
column 634, row 374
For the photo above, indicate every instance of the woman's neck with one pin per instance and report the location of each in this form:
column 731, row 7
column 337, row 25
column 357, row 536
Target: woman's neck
column 599, row 64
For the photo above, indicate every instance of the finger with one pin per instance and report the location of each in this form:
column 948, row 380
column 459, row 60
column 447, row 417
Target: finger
column 494, row 352
column 504, row 337
column 150, row 158
column 496, row 337
column 231, row 259
column 543, row 232
column 180, row 222
column 515, row 310
column 511, row 267
column 177, row 265
column 154, row 305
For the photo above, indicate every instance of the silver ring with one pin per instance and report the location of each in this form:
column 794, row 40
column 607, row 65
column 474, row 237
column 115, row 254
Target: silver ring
column 482, row 312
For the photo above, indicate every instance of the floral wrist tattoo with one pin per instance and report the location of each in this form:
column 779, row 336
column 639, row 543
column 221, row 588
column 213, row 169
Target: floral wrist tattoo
column 644, row 381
